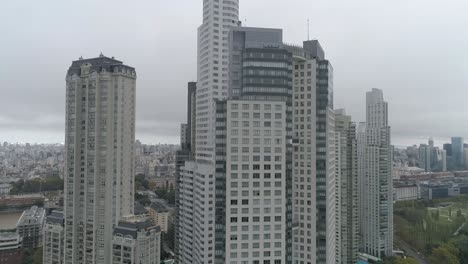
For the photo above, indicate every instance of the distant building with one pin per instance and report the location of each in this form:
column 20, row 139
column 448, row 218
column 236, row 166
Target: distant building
column 161, row 217
column 136, row 241
column 458, row 151
column 425, row 157
column 437, row 191
column 431, row 142
column 5, row 189
column 400, row 170
column 444, row 160
column 406, row 192
column 166, row 182
column 183, row 134
column 465, row 154
column 448, row 148
column 21, row 201
column 11, row 250
column 377, row 223
column 53, row 239
column 30, row 227
column 347, row 189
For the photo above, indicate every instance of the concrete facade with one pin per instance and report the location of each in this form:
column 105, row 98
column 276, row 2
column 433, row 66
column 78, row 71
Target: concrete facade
column 347, row 190
column 196, row 216
column 213, row 59
column 136, row 241
column 377, row 210
column 30, row 227
column 256, row 182
column 99, row 165
column 11, row 248
column 313, row 156
column 54, row 239
column 161, row 218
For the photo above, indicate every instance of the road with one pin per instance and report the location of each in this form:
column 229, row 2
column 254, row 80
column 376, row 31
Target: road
column 459, row 229
column 412, row 252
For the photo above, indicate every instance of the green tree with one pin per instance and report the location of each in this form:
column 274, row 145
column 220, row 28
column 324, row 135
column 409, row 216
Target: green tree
column 462, row 244
column 445, row 254
column 141, row 183
column 142, row 199
column 37, row 185
column 405, row 261
column 167, row 194
column 37, row 257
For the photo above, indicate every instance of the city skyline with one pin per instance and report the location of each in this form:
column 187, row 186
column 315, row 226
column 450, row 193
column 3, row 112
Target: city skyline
column 288, row 138
column 153, row 43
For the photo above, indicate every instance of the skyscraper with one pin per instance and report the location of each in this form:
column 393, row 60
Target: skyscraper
column 212, row 85
column 258, row 133
column 314, row 183
column 184, row 154
column 448, row 149
column 377, row 188
column 218, row 18
column 458, row 152
column 425, row 157
column 444, row 160
column 347, row 189
column 238, row 212
column 99, row 165
column 361, row 158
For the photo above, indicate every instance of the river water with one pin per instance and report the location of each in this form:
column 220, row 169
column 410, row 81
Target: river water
column 8, row 219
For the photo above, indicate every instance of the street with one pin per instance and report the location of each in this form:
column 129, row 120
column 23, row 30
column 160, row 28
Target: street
column 410, row 252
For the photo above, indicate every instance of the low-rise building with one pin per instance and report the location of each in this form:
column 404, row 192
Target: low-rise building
column 437, row 191
column 160, row 216
column 11, row 250
column 5, row 188
column 136, row 241
column 400, row 170
column 30, row 227
column 406, row 192
column 53, row 239
column 21, row 200
column 165, row 182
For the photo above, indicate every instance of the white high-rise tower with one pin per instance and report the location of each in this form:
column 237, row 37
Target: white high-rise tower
column 213, row 60
column 99, row 165
column 314, row 176
column 199, row 199
column 377, row 187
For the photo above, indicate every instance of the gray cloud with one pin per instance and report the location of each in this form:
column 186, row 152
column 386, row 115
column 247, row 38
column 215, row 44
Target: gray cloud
column 414, row 50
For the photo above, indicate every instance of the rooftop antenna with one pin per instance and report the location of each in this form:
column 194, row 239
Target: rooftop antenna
column 308, row 29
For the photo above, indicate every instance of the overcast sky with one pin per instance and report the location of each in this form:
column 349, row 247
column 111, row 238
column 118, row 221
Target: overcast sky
column 414, row 50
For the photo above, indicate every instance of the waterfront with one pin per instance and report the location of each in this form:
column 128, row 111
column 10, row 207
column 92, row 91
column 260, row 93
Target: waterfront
column 8, row 219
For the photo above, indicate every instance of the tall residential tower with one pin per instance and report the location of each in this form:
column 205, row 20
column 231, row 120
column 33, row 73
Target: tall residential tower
column 377, row 185
column 99, row 165
column 347, row 189
column 218, row 18
column 314, row 183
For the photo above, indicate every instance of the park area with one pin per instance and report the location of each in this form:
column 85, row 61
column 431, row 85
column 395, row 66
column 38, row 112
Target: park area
column 437, row 229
